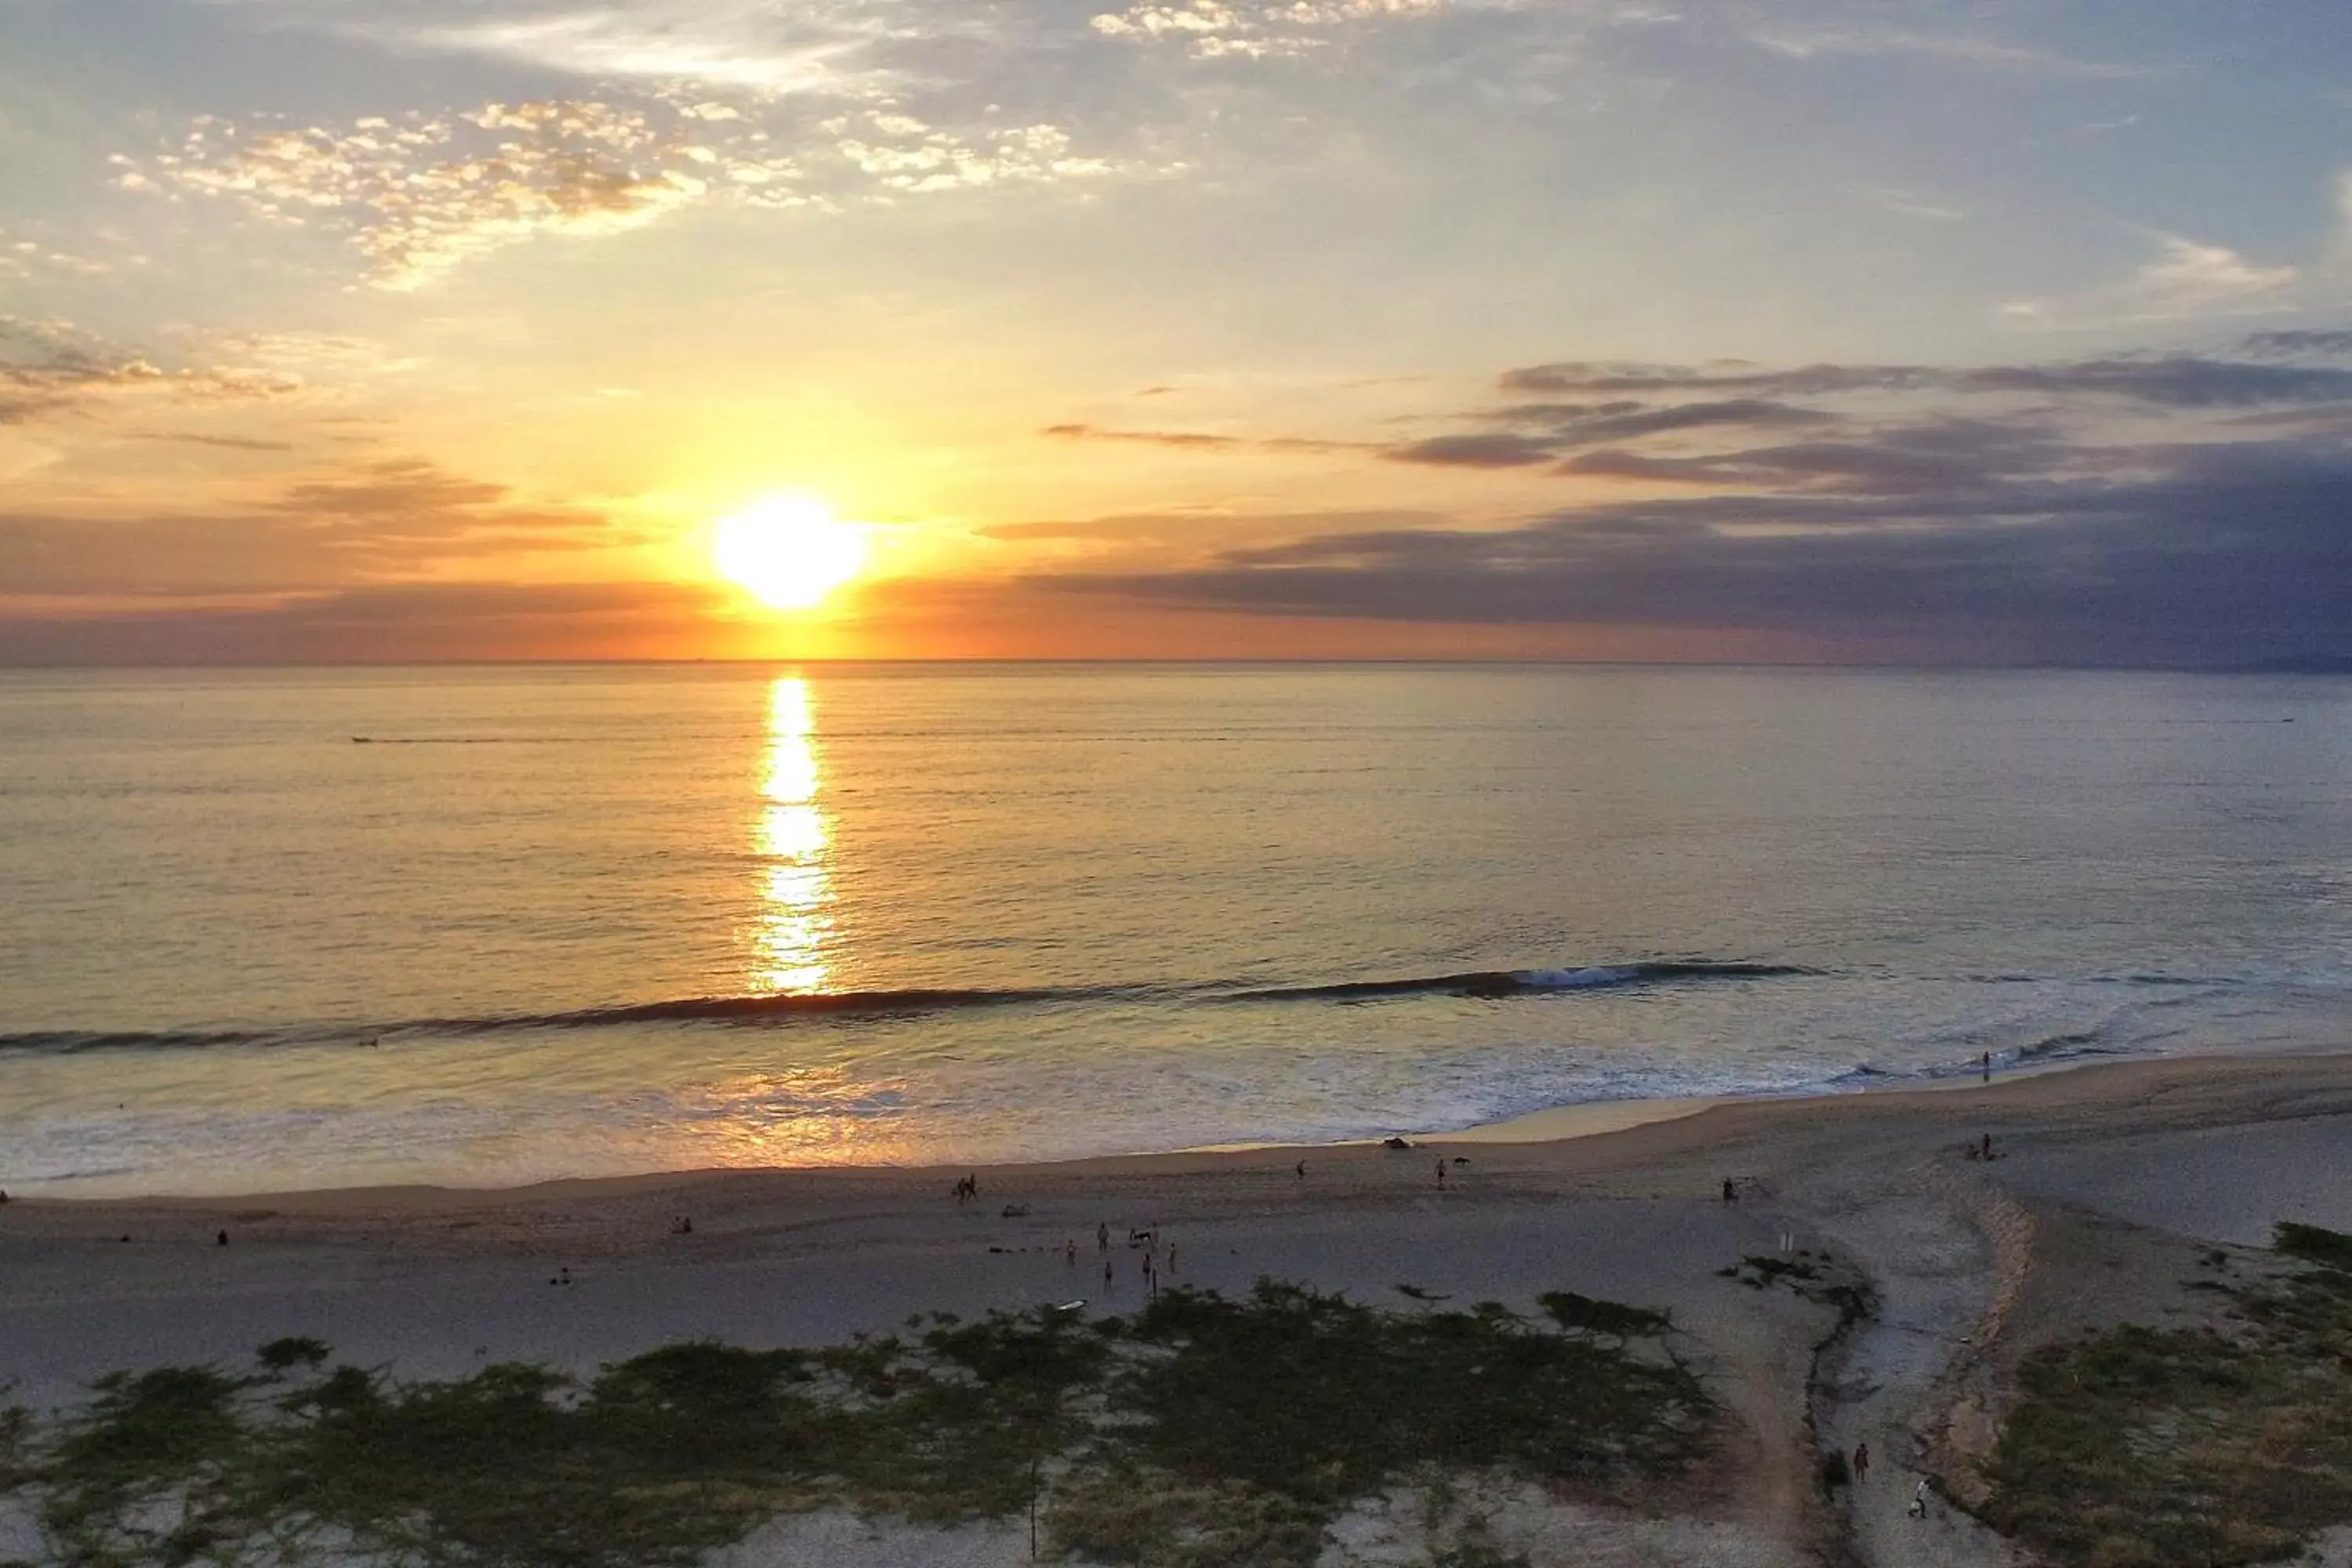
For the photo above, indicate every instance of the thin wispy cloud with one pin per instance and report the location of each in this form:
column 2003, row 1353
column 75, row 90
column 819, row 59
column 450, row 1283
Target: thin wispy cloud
column 770, row 46
column 1955, row 48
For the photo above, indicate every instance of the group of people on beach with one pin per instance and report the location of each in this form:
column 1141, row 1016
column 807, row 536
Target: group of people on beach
column 1146, row 1238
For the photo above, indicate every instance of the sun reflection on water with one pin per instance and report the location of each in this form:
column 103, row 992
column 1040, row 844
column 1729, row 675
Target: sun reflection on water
column 794, row 839
column 816, row 1115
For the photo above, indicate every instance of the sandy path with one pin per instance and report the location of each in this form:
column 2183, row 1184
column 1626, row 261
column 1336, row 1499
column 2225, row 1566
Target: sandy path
column 1918, row 1235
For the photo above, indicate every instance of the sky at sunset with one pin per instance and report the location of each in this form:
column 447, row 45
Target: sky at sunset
column 2011, row 330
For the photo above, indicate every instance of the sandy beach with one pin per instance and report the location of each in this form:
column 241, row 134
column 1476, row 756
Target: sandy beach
column 2106, row 1182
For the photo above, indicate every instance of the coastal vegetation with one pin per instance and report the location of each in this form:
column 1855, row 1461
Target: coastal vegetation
column 2139, row 1447
column 1201, row 1429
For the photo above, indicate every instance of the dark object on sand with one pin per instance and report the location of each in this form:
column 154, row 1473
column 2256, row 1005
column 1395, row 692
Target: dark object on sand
column 1731, row 1193
column 1394, row 1143
column 1015, row 1211
column 221, row 1240
column 1834, row 1473
column 1302, row 1170
column 3, row 1195
column 682, row 1226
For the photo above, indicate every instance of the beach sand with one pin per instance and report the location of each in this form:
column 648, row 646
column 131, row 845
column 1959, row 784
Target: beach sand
column 2108, row 1181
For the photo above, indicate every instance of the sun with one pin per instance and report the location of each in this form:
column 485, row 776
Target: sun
column 788, row 551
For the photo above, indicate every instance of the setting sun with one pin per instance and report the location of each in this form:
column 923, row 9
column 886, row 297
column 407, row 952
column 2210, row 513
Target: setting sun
column 788, row 551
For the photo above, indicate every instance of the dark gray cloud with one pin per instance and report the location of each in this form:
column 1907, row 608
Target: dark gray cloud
column 2204, row 552
column 1485, row 449
column 372, row 623
column 1630, row 423
column 1952, row 457
column 2169, row 381
column 2297, row 343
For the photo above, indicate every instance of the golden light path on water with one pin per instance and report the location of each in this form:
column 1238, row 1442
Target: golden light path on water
column 794, row 840
column 809, row 1113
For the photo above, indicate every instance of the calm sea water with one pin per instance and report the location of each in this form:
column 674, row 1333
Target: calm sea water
column 490, row 925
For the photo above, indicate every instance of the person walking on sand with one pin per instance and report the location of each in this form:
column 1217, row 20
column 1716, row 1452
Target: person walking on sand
column 1919, row 1500
column 1987, row 1065
column 1861, row 1463
column 1102, row 1236
column 1070, row 1251
column 1302, row 1170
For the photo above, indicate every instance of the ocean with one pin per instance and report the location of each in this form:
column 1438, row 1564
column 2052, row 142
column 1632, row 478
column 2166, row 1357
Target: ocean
column 277, row 929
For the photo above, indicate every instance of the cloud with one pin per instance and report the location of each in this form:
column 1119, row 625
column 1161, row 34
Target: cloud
column 1200, row 441
column 1487, row 449
column 389, row 518
column 1953, row 48
column 51, row 367
column 1949, row 457
column 418, row 194
column 2218, row 553
column 2133, row 507
column 2185, row 280
column 1252, row 29
column 775, row 45
column 228, row 443
column 2294, row 344
column 2188, row 279
column 2169, row 381
column 378, row 622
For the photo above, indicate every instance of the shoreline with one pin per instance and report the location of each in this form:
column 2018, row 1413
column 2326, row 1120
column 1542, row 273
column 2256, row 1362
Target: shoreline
column 1574, row 1121
column 1646, row 1125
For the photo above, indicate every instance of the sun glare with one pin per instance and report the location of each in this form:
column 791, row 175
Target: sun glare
column 788, row 551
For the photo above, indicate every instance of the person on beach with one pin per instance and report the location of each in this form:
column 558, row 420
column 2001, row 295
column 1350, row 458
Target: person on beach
column 1987, row 1065
column 1441, row 1172
column 1730, row 1191
column 1987, row 1147
column 1861, row 1463
column 1070, row 1251
column 1920, row 1499
column 1302, row 1170
column 1102, row 1236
